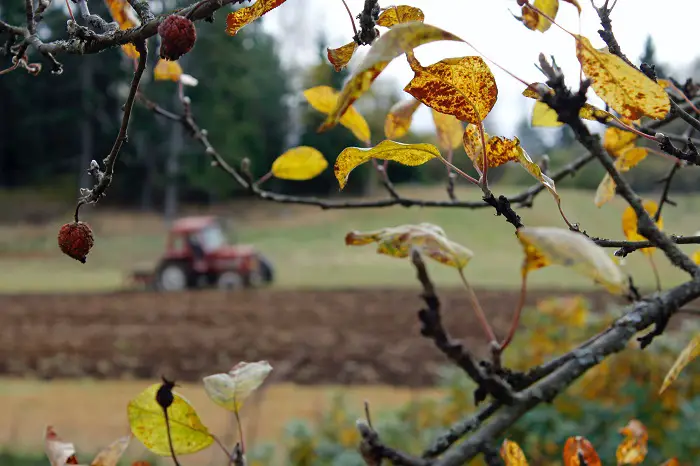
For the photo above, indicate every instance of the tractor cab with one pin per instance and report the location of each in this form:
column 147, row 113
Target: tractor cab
column 198, row 254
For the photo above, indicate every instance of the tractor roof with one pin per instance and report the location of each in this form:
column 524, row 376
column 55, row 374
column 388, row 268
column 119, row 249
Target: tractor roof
column 190, row 224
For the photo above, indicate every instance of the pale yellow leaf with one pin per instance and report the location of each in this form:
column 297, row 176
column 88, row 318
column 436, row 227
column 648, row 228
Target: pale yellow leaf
column 406, row 154
column 625, row 89
column 574, row 250
column 427, row 238
column 689, row 353
column 325, row 98
column 448, row 129
column 232, row 389
column 626, row 161
column 399, row 118
column 299, row 163
column 167, row 70
column 57, row 451
column 147, row 422
column 110, row 455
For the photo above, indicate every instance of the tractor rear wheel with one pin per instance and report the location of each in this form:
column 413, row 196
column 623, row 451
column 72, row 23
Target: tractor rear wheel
column 172, row 277
column 229, row 281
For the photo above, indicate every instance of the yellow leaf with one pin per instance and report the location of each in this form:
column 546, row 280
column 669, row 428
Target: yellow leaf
column 399, row 14
column 463, row 87
column 696, row 256
column 544, row 115
column 547, row 245
column 147, row 423
column 448, row 129
column 399, row 118
column 299, row 163
column 325, row 98
column 340, row 57
column 167, row 70
column 406, row 154
column 398, row 40
column 689, row 353
column 629, row 222
column 526, row 162
column 232, row 389
column 633, row 449
column 57, row 451
column 110, row 455
column 244, row 16
column 536, row 21
column 616, row 141
column 124, row 15
column 665, row 83
column 627, row 160
column 427, row 238
column 576, row 447
column 512, row 454
column 628, row 91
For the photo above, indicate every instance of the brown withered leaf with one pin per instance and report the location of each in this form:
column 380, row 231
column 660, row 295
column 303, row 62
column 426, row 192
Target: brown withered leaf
column 400, row 39
column 537, row 22
column 341, row 56
column 463, row 87
column 399, row 118
column 236, row 20
column 626, row 90
column 448, row 129
column 576, row 447
column 399, row 14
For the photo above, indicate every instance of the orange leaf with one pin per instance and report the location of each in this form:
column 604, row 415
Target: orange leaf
column 627, row 160
column 399, row 118
column 671, row 462
column 239, row 18
column 340, row 57
column 499, row 150
column 577, row 449
column 535, row 21
column 448, row 129
column 167, row 70
column 633, row 449
column 629, row 222
column 512, row 454
column 463, row 87
column 399, row 14
column 400, row 39
column 575, row 3
column 627, row 90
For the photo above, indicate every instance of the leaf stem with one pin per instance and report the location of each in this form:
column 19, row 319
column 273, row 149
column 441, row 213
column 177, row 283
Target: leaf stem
column 170, row 437
column 352, row 20
column 240, row 430
column 516, row 316
column 460, row 172
column 478, row 310
column 223, row 447
column 264, row 178
column 483, row 181
column 655, row 269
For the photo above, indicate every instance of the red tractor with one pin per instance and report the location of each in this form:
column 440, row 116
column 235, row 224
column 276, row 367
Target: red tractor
column 197, row 255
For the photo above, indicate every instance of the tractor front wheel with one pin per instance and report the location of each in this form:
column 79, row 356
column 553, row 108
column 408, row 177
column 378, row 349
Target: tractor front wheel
column 172, row 277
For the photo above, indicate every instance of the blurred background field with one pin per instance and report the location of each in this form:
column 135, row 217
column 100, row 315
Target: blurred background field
column 306, row 244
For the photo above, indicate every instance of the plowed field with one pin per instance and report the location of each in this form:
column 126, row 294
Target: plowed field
column 310, row 337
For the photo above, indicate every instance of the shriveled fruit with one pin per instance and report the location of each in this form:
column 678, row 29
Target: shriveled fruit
column 75, row 240
column 178, row 36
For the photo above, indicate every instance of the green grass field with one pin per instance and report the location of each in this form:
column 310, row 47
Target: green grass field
column 306, row 244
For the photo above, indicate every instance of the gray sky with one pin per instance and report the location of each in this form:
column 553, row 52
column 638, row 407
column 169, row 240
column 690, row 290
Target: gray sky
column 490, row 27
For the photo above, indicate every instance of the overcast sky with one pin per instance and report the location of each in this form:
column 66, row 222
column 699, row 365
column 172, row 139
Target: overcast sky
column 491, row 28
